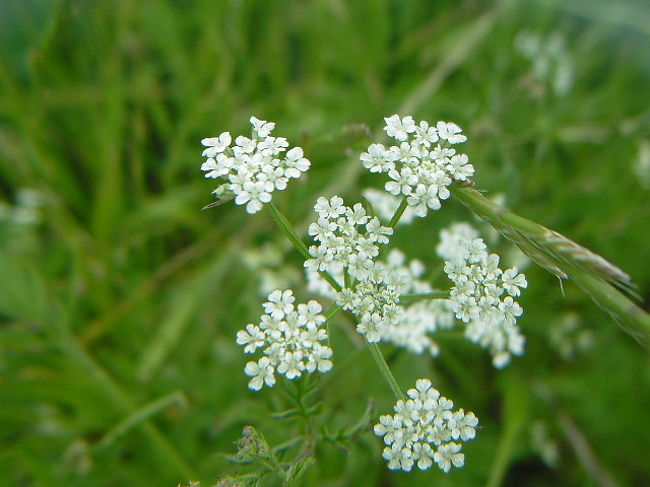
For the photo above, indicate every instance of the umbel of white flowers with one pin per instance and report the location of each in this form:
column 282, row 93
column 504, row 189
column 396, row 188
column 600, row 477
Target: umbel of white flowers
column 424, row 429
column 418, row 320
column 291, row 338
column 423, row 165
column 477, row 297
column 348, row 241
column 254, row 167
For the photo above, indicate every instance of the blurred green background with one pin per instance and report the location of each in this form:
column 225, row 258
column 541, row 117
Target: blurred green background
column 120, row 298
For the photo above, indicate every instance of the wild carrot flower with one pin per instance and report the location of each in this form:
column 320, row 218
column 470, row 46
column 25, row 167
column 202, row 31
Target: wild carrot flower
column 253, row 168
column 348, row 242
column 477, row 297
column 418, row 169
column 424, row 430
column 347, row 237
column 291, row 338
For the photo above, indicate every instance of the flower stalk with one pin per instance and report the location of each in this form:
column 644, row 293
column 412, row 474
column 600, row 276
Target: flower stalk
column 284, row 225
column 383, row 367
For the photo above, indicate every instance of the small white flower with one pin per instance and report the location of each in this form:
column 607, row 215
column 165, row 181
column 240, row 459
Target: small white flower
column 512, row 281
column 424, row 197
column 399, row 128
column 370, row 326
column 252, row 337
column 275, row 176
column 262, row 128
column 280, row 303
column 292, row 365
column 450, row 132
column 448, row 455
column 398, row 458
column 295, row 163
column 377, row 232
column 261, row 373
column 377, row 159
column 357, row 215
column 310, row 314
column 459, row 167
column 440, row 153
column 253, row 194
column 244, row 145
column 402, row 181
column 511, row 309
column 331, row 209
column 216, row 145
column 272, row 146
column 425, row 134
column 321, row 357
column 422, row 452
column 213, row 171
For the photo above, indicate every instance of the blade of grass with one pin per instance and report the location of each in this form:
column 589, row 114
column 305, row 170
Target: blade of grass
column 566, row 259
column 139, row 416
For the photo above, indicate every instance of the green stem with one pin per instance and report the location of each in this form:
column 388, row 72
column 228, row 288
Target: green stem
column 332, row 312
column 385, row 370
column 285, row 226
column 398, row 212
column 411, row 298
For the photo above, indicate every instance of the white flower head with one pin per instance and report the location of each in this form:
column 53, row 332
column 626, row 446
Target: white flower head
column 216, row 145
column 262, row 128
column 482, row 295
column 254, row 167
column 422, row 429
column 416, row 170
column 261, row 373
column 291, row 338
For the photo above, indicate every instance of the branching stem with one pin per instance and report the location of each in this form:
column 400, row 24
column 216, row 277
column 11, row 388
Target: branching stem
column 284, row 225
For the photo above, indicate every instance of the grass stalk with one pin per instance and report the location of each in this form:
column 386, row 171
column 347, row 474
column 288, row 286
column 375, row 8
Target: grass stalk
column 597, row 277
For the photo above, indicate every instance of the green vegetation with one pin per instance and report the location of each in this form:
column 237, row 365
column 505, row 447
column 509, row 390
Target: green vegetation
column 120, row 298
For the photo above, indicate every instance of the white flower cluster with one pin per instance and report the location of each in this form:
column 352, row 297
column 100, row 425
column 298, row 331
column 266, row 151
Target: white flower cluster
column 417, row 168
column 374, row 300
column 421, row 318
column 422, row 429
column 291, row 337
column 253, row 167
column 348, row 242
column 418, row 319
column 386, row 204
column 347, row 237
column 477, row 296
